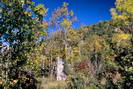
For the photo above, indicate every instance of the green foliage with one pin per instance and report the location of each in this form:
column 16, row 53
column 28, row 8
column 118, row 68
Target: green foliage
column 99, row 56
column 76, row 82
column 20, row 30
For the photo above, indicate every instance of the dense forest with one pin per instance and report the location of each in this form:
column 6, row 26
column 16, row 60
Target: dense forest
column 98, row 56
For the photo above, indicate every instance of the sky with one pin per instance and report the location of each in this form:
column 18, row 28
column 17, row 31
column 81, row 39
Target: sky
column 87, row 11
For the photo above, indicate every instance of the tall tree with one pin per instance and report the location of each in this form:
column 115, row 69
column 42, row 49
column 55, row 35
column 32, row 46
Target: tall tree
column 123, row 12
column 21, row 25
column 62, row 20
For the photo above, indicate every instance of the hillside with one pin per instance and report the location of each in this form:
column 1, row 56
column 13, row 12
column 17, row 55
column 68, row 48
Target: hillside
column 98, row 56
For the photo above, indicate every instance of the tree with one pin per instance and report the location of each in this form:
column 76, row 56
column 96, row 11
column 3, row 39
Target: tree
column 123, row 10
column 122, row 15
column 57, row 43
column 62, row 20
column 21, row 25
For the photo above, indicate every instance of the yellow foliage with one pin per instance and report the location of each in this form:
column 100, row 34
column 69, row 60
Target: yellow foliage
column 28, row 13
column 125, row 7
column 15, row 81
column 122, row 40
column 65, row 4
column 122, row 36
column 41, row 10
column 76, row 50
column 110, row 57
column 22, row 1
column 73, row 35
column 71, row 13
column 66, row 23
column 96, row 43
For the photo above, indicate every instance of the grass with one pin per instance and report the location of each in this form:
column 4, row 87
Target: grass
column 48, row 83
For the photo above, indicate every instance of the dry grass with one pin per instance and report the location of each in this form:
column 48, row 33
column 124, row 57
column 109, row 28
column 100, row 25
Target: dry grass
column 47, row 83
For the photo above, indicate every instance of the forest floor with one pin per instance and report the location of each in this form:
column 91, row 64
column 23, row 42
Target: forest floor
column 47, row 83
